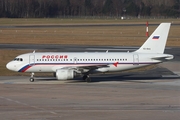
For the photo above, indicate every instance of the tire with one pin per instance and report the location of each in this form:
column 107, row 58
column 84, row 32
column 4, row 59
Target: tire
column 88, row 79
column 84, row 77
column 31, row 79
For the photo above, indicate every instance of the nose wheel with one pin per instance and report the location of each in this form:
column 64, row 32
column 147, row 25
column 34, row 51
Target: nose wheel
column 31, row 79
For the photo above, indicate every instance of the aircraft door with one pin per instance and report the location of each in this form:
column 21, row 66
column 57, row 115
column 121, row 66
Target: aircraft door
column 31, row 60
column 135, row 59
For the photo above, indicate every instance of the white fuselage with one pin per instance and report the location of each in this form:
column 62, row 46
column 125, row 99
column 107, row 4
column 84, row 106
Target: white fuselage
column 108, row 62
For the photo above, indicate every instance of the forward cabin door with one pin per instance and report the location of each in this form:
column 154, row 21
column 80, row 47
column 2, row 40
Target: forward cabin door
column 135, row 59
column 31, row 60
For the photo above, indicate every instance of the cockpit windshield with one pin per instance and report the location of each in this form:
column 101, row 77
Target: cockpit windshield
column 18, row 59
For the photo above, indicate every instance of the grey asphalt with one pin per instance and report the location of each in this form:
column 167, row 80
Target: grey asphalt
column 132, row 99
column 77, row 25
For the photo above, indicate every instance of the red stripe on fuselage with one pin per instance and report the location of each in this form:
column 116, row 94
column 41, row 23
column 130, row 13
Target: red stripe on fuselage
column 26, row 68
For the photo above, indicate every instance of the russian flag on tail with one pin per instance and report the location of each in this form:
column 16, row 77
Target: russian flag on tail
column 156, row 37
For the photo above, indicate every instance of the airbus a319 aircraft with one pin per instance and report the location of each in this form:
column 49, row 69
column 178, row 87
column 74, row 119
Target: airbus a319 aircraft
column 69, row 65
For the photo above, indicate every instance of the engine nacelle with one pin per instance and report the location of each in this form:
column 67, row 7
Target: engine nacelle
column 65, row 74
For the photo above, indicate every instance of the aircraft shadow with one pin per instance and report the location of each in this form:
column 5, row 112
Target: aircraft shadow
column 128, row 78
column 153, row 74
column 106, row 78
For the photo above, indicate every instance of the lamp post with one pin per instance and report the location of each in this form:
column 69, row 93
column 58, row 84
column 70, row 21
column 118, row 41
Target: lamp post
column 124, row 10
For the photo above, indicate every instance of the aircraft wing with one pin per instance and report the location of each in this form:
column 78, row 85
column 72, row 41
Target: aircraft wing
column 86, row 68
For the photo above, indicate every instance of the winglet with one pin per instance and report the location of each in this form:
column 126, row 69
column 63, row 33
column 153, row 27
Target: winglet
column 157, row 41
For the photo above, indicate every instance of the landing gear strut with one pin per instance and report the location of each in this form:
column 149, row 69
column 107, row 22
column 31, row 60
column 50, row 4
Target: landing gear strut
column 87, row 78
column 31, row 79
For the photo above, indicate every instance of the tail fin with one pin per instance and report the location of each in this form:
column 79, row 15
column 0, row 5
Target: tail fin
column 157, row 41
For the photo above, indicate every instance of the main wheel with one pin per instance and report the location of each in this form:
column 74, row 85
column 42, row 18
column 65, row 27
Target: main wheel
column 84, row 77
column 88, row 79
column 31, row 79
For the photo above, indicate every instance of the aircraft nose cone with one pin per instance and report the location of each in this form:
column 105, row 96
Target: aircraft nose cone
column 10, row 66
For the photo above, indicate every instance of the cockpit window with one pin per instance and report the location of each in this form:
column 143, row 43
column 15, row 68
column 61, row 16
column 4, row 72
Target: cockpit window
column 18, row 59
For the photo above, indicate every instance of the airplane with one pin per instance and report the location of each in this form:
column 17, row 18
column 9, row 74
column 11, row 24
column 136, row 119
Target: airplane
column 70, row 65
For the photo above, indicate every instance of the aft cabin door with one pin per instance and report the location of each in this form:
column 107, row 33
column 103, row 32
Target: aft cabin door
column 32, row 60
column 135, row 59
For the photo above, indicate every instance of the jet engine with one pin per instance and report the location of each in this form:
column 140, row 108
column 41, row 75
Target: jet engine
column 65, row 74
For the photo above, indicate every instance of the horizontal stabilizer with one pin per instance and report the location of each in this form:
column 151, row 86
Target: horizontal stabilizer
column 163, row 57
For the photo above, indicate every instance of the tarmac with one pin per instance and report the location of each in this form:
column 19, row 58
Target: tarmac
column 152, row 94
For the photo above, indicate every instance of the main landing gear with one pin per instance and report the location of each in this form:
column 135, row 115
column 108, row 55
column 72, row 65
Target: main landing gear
column 87, row 78
column 31, row 79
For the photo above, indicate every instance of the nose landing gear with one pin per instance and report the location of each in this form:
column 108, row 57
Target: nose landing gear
column 31, row 79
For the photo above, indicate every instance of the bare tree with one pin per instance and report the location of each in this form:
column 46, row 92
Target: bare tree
column 54, row 8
